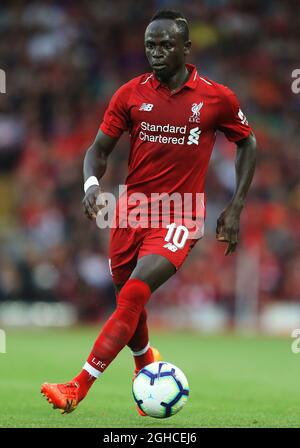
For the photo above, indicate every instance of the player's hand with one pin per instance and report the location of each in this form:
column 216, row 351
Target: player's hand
column 227, row 230
column 92, row 202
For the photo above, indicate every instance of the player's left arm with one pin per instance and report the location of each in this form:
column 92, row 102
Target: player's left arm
column 228, row 223
column 236, row 128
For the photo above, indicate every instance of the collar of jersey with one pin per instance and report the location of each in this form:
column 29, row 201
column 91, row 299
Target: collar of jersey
column 191, row 83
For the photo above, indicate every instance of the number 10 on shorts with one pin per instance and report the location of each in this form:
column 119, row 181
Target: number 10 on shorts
column 177, row 235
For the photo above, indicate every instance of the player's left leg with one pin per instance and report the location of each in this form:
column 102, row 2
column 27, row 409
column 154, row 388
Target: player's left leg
column 139, row 344
column 116, row 333
column 153, row 269
column 157, row 262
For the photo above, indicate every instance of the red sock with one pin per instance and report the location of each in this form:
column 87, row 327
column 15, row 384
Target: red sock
column 140, row 337
column 139, row 343
column 118, row 330
column 144, row 357
column 85, row 381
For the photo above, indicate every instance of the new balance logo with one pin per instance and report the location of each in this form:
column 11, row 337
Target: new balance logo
column 242, row 117
column 147, row 107
column 193, row 138
column 171, row 247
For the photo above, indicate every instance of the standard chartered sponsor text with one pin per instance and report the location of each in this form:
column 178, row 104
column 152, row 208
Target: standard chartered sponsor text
column 162, row 129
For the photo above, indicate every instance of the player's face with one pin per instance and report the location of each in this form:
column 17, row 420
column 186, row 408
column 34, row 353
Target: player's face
column 165, row 48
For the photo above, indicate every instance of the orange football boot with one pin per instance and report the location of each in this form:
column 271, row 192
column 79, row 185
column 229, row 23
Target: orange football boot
column 62, row 396
column 157, row 357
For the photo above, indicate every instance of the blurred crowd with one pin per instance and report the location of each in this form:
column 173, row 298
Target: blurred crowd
column 63, row 60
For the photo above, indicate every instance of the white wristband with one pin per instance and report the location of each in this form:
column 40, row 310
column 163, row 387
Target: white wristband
column 92, row 180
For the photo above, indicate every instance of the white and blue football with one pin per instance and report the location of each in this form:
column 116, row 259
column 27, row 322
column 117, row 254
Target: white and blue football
column 160, row 389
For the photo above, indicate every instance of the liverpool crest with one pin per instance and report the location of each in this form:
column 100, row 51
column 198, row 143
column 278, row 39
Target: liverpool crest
column 195, row 117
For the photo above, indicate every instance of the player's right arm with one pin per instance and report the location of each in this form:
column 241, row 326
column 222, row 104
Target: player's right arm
column 95, row 162
column 115, row 121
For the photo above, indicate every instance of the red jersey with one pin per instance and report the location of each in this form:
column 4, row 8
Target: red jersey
column 172, row 133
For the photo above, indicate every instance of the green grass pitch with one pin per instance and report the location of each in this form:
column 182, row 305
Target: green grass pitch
column 234, row 381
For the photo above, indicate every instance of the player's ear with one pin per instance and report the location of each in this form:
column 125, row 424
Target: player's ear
column 187, row 47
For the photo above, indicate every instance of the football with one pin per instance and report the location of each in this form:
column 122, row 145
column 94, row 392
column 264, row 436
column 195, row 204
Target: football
column 160, row 389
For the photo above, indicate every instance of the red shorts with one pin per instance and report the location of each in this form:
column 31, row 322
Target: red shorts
column 127, row 246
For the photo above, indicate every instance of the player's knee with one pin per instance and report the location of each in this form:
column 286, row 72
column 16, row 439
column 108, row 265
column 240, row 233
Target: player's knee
column 154, row 270
column 134, row 295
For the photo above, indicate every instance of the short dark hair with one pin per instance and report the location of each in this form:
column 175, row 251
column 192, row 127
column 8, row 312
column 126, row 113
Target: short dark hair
column 178, row 18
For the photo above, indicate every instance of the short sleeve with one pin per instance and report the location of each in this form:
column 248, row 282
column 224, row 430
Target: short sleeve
column 116, row 117
column 232, row 121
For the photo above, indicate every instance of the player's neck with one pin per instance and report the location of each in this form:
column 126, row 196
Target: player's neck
column 177, row 80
